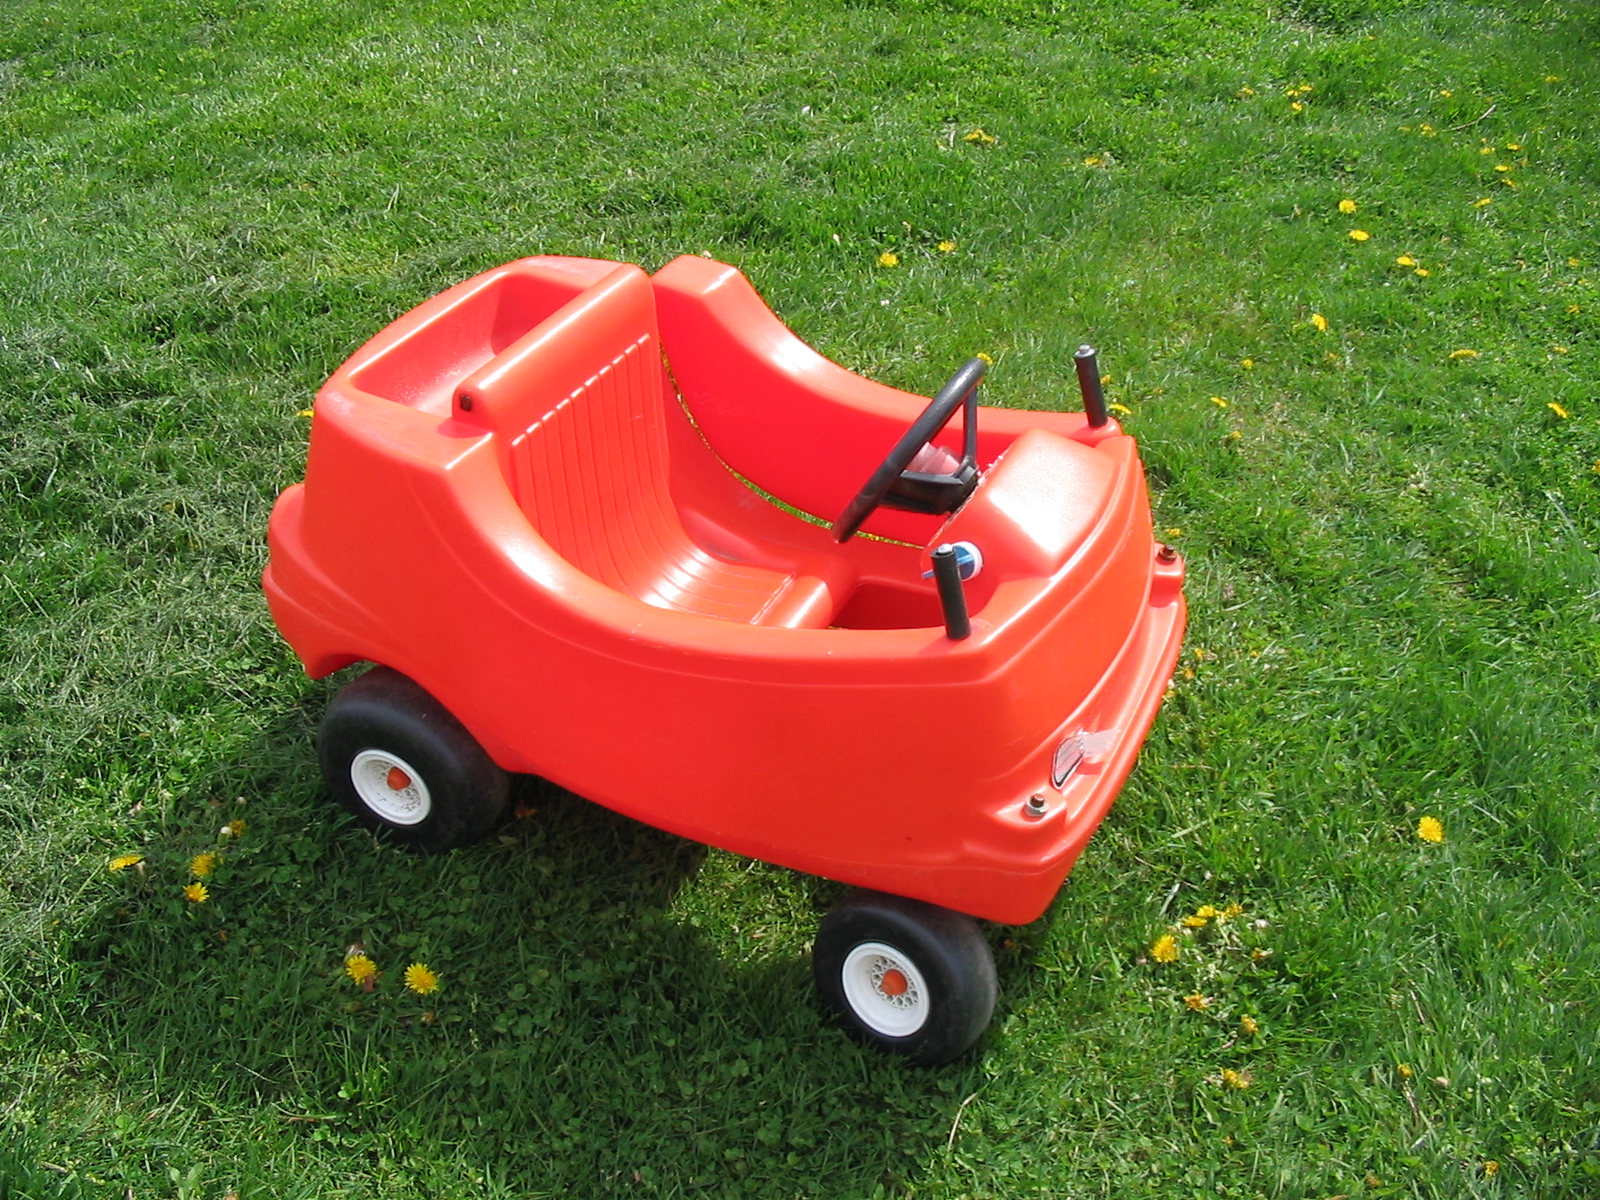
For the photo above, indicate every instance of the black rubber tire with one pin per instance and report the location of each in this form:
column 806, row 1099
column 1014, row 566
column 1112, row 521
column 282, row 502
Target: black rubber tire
column 385, row 712
column 946, row 948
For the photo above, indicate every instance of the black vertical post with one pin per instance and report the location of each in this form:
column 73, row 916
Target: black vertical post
column 1094, row 398
column 952, row 598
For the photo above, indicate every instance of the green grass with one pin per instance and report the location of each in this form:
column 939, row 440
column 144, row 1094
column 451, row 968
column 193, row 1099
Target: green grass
column 1394, row 594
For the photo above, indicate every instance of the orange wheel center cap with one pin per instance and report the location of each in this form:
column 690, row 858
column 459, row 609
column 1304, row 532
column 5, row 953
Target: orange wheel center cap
column 893, row 983
column 398, row 780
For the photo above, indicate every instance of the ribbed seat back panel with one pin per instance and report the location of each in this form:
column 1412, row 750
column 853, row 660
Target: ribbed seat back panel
column 591, row 475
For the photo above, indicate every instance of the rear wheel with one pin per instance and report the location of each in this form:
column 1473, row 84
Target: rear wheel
column 912, row 978
column 396, row 758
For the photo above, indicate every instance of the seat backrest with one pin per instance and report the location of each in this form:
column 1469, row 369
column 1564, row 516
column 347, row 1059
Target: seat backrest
column 577, row 404
column 419, row 359
column 560, row 355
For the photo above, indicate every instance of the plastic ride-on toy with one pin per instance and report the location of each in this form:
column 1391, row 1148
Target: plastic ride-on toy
column 542, row 503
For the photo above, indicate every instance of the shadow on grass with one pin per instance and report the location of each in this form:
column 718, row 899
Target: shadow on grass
column 618, row 1009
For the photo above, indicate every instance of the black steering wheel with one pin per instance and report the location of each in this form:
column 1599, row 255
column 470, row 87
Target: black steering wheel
column 893, row 484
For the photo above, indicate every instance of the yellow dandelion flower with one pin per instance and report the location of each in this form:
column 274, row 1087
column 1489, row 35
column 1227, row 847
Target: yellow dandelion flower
column 979, row 137
column 1491, row 1168
column 1482, row 202
column 1165, row 949
column 1425, row 130
column 1502, row 168
column 1319, row 322
column 1558, row 410
column 234, row 828
column 1249, row 364
column 1250, row 1025
column 1509, row 182
column 1219, row 402
column 306, row 412
column 1513, row 146
column 888, row 259
column 196, row 893
column 360, row 968
column 1195, row 922
column 1405, row 260
column 1245, row 92
column 1463, row 354
column 1092, row 161
column 1348, row 206
column 1485, row 149
column 1552, row 79
column 1122, row 410
column 1405, row 1071
column 1235, row 1079
column 1429, row 829
column 947, row 247
column 1359, row 235
column 1558, row 349
column 202, row 865
column 1105, row 379
column 123, row 861
column 1572, row 262
column 1571, row 308
column 1206, row 910
column 1235, row 909
column 1260, row 954
column 421, row 979
column 1446, row 93
column 1197, row 1002
column 985, row 358
column 1173, row 532
column 1297, row 107
column 1423, row 272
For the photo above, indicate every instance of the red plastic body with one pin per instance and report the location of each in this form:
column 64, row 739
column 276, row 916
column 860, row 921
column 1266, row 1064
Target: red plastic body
column 529, row 495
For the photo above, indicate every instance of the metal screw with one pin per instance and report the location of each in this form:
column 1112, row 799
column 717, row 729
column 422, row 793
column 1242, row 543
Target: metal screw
column 1167, row 554
column 1036, row 807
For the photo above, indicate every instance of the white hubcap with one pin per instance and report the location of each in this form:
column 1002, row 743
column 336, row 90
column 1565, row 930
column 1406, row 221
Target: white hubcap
column 885, row 990
column 391, row 787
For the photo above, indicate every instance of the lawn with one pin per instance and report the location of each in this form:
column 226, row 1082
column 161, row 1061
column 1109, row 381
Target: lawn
column 1340, row 259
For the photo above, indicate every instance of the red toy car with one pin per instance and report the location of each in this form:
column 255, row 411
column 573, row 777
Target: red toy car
column 543, row 504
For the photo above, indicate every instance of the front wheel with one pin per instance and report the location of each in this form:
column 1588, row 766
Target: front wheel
column 912, row 978
column 405, row 767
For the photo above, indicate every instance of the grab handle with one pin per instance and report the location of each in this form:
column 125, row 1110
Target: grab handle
column 952, row 597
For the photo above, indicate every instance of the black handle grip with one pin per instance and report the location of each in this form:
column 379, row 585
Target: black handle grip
column 952, row 597
column 1094, row 397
